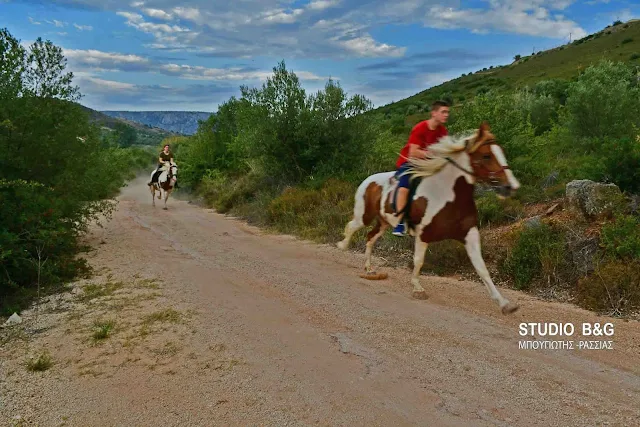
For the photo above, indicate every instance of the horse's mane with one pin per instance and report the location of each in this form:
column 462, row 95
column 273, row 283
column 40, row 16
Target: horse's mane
column 440, row 151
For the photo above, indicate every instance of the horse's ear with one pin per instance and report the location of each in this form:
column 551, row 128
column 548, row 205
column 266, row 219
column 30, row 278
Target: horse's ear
column 484, row 127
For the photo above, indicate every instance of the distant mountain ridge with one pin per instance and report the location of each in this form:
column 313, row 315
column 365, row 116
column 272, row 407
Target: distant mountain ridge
column 183, row 122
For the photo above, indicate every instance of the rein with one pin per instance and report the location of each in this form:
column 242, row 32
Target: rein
column 490, row 174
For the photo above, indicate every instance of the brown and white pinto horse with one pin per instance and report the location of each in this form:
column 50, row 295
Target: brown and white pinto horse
column 443, row 206
column 166, row 182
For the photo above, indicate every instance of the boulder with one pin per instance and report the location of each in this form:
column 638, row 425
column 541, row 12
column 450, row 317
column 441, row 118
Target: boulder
column 594, row 199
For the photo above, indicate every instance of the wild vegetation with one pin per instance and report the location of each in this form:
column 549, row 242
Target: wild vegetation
column 58, row 171
column 290, row 161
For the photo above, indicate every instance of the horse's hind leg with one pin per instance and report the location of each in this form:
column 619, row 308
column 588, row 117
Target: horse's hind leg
column 472, row 245
column 372, row 237
column 152, row 190
column 352, row 226
column 360, row 217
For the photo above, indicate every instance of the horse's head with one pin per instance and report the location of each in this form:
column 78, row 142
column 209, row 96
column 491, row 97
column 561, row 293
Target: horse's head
column 173, row 168
column 489, row 163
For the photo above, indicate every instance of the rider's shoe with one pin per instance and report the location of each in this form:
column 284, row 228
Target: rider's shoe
column 400, row 230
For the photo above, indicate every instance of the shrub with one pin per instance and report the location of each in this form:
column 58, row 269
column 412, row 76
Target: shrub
column 613, row 288
column 621, row 163
column 604, row 101
column 539, row 255
column 58, row 173
column 38, row 242
column 317, row 214
column 621, row 238
column 411, row 109
column 224, row 192
column 492, row 211
column 627, row 40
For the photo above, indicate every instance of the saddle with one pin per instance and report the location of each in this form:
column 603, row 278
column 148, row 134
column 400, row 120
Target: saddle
column 413, row 186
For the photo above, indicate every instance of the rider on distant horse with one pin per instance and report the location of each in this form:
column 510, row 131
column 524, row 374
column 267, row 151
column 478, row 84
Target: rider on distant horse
column 422, row 135
column 165, row 156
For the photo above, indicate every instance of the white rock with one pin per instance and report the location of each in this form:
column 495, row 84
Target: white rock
column 13, row 320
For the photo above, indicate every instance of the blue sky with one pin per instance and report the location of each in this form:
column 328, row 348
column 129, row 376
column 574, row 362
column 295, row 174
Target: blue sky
column 195, row 54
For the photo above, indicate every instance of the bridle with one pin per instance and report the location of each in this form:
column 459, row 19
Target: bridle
column 487, row 175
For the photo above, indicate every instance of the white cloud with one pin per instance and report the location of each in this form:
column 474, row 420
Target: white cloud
column 365, row 46
column 83, row 27
column 99, row 61
column 248, row 28
column 322, row 4
column 57, row 23
column 34, row 22
column 105, row 61
column 281, row 16
column 101, row 85
column 158, row 14
column 530, row 17
column 625, row 15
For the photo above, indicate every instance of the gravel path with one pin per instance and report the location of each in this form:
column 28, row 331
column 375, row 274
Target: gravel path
column 215, row 323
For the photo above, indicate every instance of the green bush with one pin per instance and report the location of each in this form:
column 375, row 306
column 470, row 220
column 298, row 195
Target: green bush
column 59, row 174
column 317, row 214
column 604, row 101
column 538, row 254
column 613, row 288
column 621, row 238
column 38, row 242
column 492, row 211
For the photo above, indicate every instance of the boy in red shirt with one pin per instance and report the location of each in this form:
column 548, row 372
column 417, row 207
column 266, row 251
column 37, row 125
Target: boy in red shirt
column 422, row 135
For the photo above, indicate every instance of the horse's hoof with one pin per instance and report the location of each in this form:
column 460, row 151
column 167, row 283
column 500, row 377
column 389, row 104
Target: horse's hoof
column 166, row 209
column 341, row 245
column 510, row 308
column 419, row 294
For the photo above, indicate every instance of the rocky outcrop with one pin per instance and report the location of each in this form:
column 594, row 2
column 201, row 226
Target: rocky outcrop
column 594, row 199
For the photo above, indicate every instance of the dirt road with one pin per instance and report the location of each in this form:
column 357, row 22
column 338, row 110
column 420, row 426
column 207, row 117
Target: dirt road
column 219, row 324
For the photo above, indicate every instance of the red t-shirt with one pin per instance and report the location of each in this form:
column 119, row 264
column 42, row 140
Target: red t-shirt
column 422, row 136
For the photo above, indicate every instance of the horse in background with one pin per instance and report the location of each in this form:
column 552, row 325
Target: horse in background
column 440, row 205
column 166, row 182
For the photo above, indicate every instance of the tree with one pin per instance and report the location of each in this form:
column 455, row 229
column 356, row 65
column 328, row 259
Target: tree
column 57, row 174
column 517, row 57
column 127, row 135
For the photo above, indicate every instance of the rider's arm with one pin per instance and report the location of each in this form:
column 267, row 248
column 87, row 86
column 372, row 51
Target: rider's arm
column 415, row 141
column 416, row 152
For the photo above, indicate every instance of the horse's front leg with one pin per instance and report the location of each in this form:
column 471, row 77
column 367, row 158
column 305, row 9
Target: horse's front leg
column 418, row 260
column 166, row 196
column 472, row 245
column 153, row 195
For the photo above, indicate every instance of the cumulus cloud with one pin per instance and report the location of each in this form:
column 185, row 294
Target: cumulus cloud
column 322, row 28
column 527, row 17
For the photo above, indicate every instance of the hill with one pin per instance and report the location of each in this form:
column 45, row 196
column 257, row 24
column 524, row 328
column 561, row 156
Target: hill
column 182, row 122
column 617, row 42
column 146, row 135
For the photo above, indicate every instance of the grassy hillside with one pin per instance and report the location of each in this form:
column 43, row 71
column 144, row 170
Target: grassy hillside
column 618, row 42
column 146, row 135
